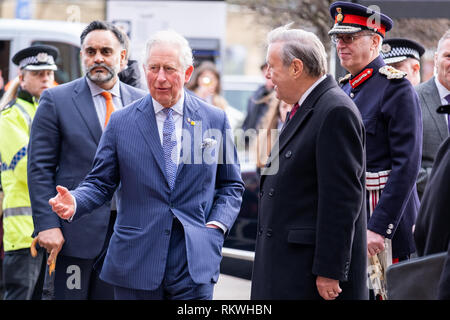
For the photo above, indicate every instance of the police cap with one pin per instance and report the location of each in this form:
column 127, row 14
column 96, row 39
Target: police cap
column 397, row 49
column 38, row 57
column 352, row 17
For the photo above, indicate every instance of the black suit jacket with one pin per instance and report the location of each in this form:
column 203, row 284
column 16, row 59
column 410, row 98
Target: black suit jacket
column 312, row 214
column 432, row 233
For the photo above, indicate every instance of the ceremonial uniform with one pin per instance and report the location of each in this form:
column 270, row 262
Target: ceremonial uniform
column 391, row 114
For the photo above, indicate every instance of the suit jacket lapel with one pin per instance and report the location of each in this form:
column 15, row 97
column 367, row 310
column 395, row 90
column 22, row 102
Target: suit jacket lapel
column 125, row 95
column 304, row 112
column 82, row 100
column 191, row 125
column 298, row 120
column 432, row 101
column 146, row 122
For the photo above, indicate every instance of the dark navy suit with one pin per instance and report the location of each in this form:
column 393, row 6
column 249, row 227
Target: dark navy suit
column 64, row 138
column 130, row 153
column 392, row 118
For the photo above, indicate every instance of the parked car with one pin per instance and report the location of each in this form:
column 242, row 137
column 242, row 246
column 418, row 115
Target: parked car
column 237, row 89
column 239, row 247
column 16, row 34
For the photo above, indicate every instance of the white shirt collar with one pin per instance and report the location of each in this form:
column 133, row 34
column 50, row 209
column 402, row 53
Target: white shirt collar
column 96, row 90
column 177, row 107
column 307, row 92
column 443, row 91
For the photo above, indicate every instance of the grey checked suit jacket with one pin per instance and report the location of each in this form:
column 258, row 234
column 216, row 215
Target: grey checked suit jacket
column 435, row 129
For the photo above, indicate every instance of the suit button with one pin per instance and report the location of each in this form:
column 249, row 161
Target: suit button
column 269, row 233
column 391, row 226
column 352, row 95
column 268, row 164
column 388, row 231
column 167, row 232
column 260, row 232
column 261, row 193
column 271, row 192
column 288, row 154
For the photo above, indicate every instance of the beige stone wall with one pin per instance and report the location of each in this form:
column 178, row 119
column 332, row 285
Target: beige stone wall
column 243, row 29
column 74, row 11
column 7, row 8
column 242, row 26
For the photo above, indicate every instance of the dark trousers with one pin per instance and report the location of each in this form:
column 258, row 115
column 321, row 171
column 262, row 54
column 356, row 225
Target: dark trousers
column 23, row 275
column 78, row 279
column 177, row 283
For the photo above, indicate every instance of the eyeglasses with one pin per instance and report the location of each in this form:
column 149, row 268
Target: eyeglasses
column 347, row 38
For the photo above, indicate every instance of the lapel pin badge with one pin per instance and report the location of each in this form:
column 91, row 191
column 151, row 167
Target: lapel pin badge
column 191, row 122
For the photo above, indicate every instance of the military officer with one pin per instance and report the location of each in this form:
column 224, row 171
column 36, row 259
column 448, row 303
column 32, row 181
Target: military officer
column 392, row 118
column 404, row 55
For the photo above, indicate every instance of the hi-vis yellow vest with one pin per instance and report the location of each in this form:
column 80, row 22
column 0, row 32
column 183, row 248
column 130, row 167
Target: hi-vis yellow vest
column 15, row 125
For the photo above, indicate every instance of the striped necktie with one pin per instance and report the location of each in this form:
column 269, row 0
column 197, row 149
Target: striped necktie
column 294, row 110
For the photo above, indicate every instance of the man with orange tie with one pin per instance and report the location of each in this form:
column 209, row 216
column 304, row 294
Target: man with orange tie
column 64, row 138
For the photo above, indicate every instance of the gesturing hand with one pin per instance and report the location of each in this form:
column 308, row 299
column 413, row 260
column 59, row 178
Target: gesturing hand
column 63, row 204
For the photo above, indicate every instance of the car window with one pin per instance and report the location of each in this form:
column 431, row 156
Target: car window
column 238, row 89
column 68, row 61
column 4, row 59
column 238, row 98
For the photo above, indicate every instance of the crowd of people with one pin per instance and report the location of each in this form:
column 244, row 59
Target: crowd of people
column 129, row 193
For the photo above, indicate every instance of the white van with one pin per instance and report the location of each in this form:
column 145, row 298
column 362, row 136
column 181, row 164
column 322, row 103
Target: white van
column 16, row 34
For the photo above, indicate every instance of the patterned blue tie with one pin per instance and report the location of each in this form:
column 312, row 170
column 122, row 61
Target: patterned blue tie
column 169, row 145
column 447, row 97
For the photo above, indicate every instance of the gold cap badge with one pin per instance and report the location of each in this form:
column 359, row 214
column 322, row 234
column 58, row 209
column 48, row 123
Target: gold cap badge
column 339, row 16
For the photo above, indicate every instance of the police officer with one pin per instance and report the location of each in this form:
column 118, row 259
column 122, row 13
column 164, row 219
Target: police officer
column 404, row 55
column 22, row 274
column 392, row 118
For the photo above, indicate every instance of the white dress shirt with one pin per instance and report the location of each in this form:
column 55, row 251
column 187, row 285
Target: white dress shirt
column 100, row 102
column 310, row 89
column 443, row 92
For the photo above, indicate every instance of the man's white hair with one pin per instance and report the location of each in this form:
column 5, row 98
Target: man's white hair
column 173, row 38
column 442, row 39
column 303, row 45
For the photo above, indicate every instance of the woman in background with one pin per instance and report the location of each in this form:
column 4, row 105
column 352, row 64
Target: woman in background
column 270, row 127
column 205, row 83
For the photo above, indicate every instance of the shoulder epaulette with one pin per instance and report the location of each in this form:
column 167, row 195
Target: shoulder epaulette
column 343, row 80
column 8, row 105
column 391, row 72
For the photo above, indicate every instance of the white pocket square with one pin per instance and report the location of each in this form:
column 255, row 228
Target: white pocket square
column 208, row 142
